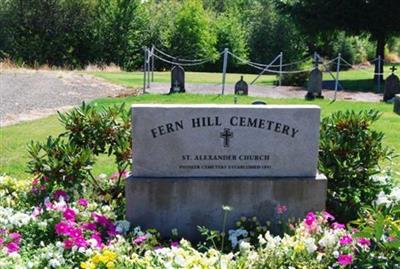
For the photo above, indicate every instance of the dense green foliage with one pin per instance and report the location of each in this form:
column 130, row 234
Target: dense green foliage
column 68, row 159
column 350, row 155
column 78, row 32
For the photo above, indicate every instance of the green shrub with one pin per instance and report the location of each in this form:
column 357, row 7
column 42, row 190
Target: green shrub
column 295, row 79
column 58, row 164
column 66, row 162
column 379, row 224
column 350, row 155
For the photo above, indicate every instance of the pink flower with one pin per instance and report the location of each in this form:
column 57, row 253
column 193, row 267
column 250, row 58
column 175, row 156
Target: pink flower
column 116, row 175
column 62, row 228
column 60, row 193
column 280, row 209
column 310, row 219
column 97, row 237
column 75, row 233
column 345, row 259
column 364, row 241
column 68, row 243
column 140, row 239
column 337, row 226
column 36, row 212
column 12, row 247
column 391, row 238
column 35, row 181
column 80, row 242
column 15, row 237
column 83, row 202
column 103, row 221
column 89, row 226
column 69, row 214
column 345, row 240
column 327, row 216
column 175, row 244
column 2, row 240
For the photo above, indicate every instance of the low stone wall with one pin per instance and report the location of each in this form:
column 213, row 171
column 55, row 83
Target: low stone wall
column 185, row 203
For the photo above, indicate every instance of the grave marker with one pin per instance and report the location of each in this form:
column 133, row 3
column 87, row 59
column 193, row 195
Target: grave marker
column 241, row 87
column 177, row 79
column 392, row 86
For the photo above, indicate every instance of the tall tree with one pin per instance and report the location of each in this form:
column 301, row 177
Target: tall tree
column 192, row 36
column 379, row 18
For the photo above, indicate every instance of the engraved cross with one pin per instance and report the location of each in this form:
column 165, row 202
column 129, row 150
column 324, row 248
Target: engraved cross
column 226, row 135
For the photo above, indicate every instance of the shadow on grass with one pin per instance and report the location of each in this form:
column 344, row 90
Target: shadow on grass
column 361, row 85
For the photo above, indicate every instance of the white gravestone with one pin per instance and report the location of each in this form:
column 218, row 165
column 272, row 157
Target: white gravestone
column 225, row 141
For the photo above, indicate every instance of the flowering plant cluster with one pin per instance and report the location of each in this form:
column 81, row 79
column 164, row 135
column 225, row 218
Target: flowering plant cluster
column 66, row 230
column 9, row 241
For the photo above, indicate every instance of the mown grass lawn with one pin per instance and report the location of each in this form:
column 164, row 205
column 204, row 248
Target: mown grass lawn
column 13, row 139
column 357, row 80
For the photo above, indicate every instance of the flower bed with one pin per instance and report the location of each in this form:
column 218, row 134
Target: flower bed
column 67, row 231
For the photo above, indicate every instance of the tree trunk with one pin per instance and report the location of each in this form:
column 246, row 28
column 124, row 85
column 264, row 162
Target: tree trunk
column 380, row 51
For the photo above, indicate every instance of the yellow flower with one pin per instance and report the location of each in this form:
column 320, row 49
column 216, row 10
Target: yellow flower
column 96, row 258
column 88, row 265
column 299, row 247
column 110, row 265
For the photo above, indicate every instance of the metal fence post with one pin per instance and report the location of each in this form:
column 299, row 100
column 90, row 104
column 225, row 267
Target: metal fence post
column 280, row 68
column 144, row 69
column 224, row 66
column 379, row 74
column 152, row 63
column 148, row 67
column 337, row 74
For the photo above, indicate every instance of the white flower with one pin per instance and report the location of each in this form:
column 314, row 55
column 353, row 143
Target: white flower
column 395, row 194
column 137, row 231
column 122, row 226
column 180, row 260
column 310, row 245
column 328, row 240
column 234, row 234
column 335, row 253
column 382, row 199
column 244, row 246
column 54, row 263
column 102, row 176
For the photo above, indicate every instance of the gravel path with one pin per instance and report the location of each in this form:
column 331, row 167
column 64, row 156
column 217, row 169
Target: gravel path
column 268, row 91
column 27, row 95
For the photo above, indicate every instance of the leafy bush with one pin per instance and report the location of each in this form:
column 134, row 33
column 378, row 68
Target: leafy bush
column 64, row 163
column 295, row 79
column 58, row 165
column 379, row 224
column 349, row 157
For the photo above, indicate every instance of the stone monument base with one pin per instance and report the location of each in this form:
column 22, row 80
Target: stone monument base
column 185, row 203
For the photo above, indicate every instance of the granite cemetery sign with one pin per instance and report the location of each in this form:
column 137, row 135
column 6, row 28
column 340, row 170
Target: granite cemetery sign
column 189, row 160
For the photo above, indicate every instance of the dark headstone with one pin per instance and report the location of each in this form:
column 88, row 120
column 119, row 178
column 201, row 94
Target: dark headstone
column 258, row 102
column 396, row 106
column 241, row 87
column 177, row 79
column 392, row 87
column 314, row 85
